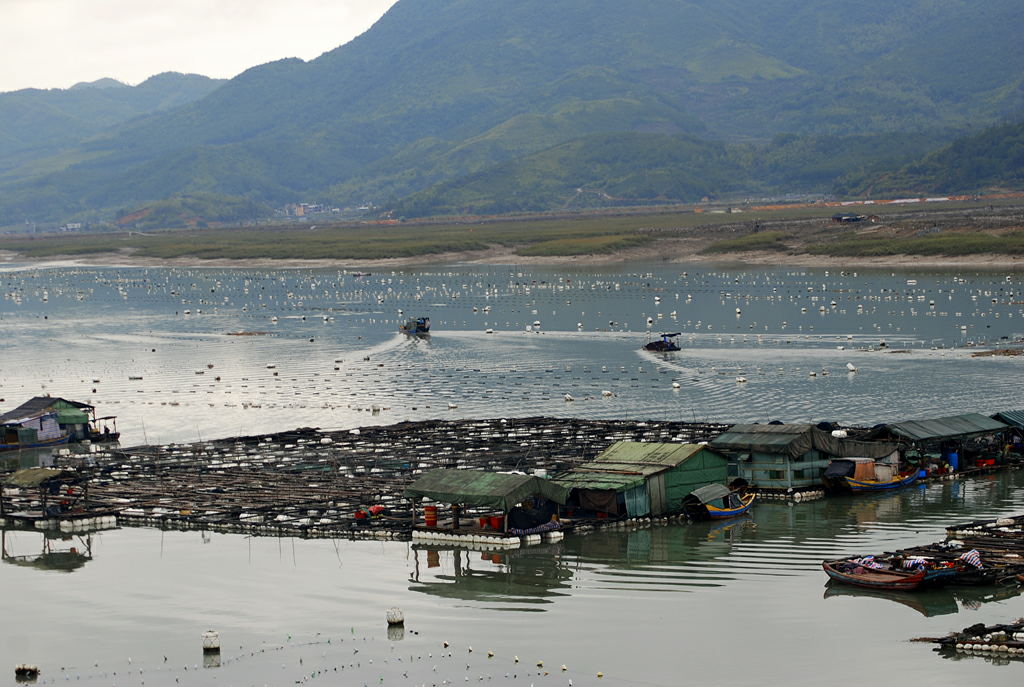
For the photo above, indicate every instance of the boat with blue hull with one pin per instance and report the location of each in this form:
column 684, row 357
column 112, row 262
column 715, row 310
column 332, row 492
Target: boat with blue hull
column 862, row 486
column 417, row 327
column 717, row 502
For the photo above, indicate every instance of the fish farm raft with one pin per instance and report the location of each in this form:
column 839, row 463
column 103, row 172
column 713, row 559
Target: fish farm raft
column 318, row 484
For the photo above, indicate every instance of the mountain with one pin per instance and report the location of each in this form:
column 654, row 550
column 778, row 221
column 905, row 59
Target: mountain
column 609, row 170
column 440, row 90
column 990, row 160
column 43, row 120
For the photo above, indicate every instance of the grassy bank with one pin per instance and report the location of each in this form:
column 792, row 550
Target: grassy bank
column 954, row 244
column 795, row 229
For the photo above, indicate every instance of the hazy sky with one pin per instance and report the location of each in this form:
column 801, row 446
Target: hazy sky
column 57, row 43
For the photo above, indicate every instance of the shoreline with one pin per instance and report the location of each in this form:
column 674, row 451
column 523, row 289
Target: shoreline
column 664, row 250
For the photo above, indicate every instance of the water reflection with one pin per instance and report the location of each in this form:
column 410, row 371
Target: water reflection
column 930, row 602
column 773, row 540
column 530, row 576
column 54, row 552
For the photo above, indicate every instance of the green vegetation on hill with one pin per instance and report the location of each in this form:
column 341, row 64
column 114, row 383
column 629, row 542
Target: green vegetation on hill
column 453, row 90
column 44, row 119
column 991, row 159
column 615, row 170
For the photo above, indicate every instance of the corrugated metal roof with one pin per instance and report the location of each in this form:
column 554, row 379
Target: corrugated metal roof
column 479, row 488
column 626, row 464
column 1011, row 417
column 36, row 406
column 968, row 424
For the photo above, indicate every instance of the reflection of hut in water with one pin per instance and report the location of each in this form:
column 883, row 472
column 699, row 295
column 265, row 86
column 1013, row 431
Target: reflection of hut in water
column 531, row 575
column 636, row 478
column 789, row 456
column 58, row 553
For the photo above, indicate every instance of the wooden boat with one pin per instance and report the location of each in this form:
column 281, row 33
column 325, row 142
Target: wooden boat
column 746, row 501
column 716, row 501
column 859, row 486
column 665, row 344
column 872, row 578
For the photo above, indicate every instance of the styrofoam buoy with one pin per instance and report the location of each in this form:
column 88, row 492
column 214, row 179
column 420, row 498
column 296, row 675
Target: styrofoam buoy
column 395, row 616
column 211, row 642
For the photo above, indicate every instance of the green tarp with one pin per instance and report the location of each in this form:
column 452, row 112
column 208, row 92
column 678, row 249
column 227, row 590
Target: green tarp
column 35, row 477
column 487, row 489
column 952, row 427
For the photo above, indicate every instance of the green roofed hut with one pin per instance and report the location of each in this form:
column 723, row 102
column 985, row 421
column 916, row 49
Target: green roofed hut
column 961, row 441
column 526, row 504
column 790, row 456
column 44, row 421
column 636, row 479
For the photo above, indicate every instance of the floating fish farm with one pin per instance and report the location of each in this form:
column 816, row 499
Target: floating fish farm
column 349, row 483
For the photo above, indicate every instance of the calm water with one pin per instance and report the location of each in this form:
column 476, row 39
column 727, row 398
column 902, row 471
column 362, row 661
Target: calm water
column 338, row 362
column 729, row 604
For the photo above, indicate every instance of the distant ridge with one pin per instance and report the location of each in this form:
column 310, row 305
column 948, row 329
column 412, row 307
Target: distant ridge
column 437, row 93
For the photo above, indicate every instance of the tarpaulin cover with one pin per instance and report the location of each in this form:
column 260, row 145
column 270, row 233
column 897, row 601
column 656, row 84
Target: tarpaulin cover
column 488, row 489
column 1011, row 417
column 796, row 440
column 35, row 477
column 952, row 427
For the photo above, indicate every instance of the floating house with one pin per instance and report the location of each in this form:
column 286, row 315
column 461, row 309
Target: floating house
column 960, row 440
column 44, row 421
column 1015, row 420
column 790, row 456
column 635, row 479
column 488, row 492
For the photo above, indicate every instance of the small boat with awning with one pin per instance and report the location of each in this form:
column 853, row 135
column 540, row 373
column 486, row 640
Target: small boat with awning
column 716, row 501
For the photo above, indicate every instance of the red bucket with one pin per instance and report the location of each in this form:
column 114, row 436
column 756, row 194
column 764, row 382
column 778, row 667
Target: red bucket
column 497, row 522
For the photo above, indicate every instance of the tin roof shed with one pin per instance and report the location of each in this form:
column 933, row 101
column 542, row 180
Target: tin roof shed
column 953, row 427
column 653, row 478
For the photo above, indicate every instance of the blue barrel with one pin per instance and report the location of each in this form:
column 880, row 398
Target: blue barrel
column 954, row 461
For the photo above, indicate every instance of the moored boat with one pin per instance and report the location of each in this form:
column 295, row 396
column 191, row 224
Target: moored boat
column 716, row 502
column 858, row 486
column 855, row 572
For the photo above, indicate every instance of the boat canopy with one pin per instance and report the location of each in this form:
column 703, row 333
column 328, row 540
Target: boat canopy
column 1014, row 418
column 487, row 489
column 709, row 493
